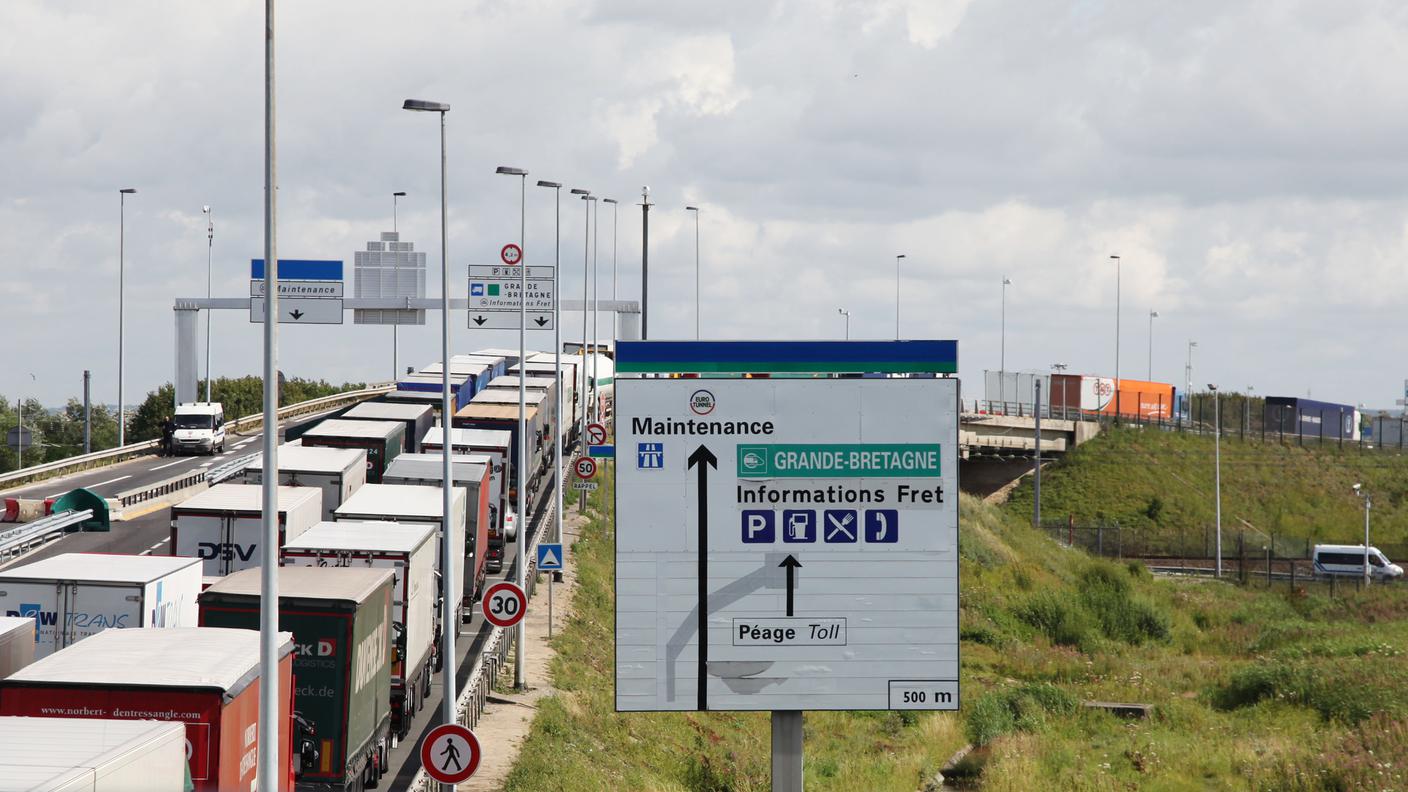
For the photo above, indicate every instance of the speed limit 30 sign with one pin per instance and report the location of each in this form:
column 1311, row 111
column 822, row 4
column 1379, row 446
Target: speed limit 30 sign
column 504, row 604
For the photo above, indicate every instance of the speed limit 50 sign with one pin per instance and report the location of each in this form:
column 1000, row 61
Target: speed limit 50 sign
column 504, row 604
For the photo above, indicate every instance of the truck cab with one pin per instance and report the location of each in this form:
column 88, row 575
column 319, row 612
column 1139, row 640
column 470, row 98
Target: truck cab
column 200, row 428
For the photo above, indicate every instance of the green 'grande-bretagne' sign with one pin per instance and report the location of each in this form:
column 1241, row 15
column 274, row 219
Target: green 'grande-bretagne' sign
column 839, row 460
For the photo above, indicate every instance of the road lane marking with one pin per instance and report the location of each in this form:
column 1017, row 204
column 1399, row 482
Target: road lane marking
column 110, row 481
column 154, row 547
column 207, row 464
column 168, row 464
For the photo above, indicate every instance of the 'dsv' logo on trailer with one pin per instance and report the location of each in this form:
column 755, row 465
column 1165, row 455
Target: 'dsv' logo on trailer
column 225, row 551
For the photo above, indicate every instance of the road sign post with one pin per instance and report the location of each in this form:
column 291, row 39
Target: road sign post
column 819, row 519
column 450, row 754
column 550, row 559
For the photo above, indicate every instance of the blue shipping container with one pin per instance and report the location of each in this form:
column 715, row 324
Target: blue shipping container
column 1292, row 415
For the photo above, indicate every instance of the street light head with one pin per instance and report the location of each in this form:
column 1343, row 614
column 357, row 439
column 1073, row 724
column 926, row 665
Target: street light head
column 425, row 106
column 205, row 210
column 1153, row 314
column 128, row 190
column 691, row 208
column 608, row 200
column 399, row 193
column 546, row 183
column 580, row 191
column 1212, row 387
column 507, row 171
column 1116, row 258
column 1006, row 281
column 900, row 256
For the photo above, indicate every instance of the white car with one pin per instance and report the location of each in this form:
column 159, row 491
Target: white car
column 510, row 526
column 1348, row 561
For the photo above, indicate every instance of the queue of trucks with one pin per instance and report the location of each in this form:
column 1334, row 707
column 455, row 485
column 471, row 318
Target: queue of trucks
column 359, row 513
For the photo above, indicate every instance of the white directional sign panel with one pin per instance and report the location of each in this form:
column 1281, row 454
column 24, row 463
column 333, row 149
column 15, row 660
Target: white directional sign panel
column 310, row 291
column 827, row 512
column 299, row 310
column 496, row 294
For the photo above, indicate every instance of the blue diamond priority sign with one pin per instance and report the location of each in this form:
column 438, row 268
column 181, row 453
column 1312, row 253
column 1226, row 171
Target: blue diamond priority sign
column 550, row 557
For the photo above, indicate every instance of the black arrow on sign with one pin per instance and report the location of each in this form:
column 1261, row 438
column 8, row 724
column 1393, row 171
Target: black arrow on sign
column 296, row 314
column 792, row 565
column 480, row 320
column 704, row 459
column 541, row 321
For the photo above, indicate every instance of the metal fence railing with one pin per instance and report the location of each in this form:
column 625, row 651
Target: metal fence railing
column 17, row 541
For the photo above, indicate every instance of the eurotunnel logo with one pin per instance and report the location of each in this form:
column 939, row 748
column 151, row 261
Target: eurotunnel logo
column 702, row 402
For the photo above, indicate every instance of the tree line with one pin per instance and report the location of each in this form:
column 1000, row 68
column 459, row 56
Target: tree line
column 58, row 434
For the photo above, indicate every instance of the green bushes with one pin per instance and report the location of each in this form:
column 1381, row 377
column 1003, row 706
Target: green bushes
column 1105, row 591
column 1330, row 690
column 1060, row 619
column 1024, row 708
column 1106, row 601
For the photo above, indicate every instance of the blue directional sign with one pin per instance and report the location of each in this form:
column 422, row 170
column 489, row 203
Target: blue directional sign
column 299, row 269
column 550, row 557
column 601, row 451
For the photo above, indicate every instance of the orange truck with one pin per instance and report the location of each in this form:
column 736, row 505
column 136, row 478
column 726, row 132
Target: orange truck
column 1148, row 401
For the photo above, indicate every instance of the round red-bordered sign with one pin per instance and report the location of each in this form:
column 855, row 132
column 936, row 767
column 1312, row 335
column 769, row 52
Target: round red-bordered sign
column 511, row 255
column 596, row 434
column 504, row 604
column 585, row 468
column 450, row 753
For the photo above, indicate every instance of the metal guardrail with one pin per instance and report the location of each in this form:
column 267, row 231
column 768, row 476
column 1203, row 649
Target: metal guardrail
column 18, row 541
column 230, row 469
column 113, row 455
column 160, row 489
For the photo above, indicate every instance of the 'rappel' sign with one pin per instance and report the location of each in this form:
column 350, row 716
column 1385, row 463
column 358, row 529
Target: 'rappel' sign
column 504, row 604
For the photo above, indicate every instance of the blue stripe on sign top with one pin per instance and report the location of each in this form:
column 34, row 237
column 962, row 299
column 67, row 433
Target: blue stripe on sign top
column 299, row 269
column 935, row 355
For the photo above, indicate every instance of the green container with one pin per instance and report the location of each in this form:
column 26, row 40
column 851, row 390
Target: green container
column 341, row 624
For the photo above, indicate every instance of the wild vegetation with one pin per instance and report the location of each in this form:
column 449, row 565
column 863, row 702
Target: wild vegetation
column 1249, row 688
column 1159, row 485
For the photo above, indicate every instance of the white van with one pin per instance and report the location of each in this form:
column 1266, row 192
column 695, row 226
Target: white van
column 1348, row 560
column 200, row 428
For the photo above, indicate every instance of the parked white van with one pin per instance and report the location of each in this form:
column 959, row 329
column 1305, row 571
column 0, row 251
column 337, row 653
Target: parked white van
column 1348, row 560
column 200, row 428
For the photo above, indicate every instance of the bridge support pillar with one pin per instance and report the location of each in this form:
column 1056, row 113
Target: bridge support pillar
column 630, row 326
column 186, row 348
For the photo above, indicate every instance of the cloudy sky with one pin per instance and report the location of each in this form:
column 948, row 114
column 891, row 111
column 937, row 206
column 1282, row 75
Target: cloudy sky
column 1245, row 159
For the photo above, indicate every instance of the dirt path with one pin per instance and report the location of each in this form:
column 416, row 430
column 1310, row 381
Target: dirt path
column 509, row 716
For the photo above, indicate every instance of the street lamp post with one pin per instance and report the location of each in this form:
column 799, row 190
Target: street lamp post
column 121, row 305
column 1217, row 468
column 585, row 195
column 557, row 356
column 209, row 253
column 847, row 314
column 19, row 413
column 522, row 467
column 614, row 325
column 395, row 324
column 447, row 475
column 1002, row 359
column 1188, row 380
column 596, row 333
column 897, row 295
column 1152, row 316
column 695, row 210
column 1117, row 337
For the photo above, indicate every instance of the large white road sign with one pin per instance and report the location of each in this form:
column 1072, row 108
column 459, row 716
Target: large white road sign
column 829, row 514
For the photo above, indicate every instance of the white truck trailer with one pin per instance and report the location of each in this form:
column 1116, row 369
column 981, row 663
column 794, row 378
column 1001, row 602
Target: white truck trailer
column 223, row 525
column 338, row 472
column 76, row 595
